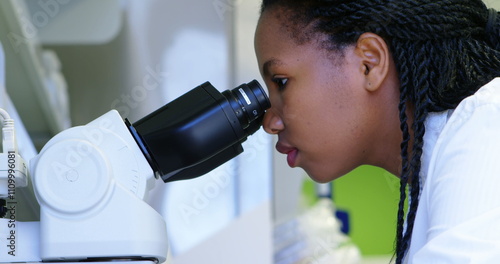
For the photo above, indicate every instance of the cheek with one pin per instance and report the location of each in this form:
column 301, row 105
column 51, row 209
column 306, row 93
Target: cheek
column 331, row 133
column 296, row 109
column 291, row 113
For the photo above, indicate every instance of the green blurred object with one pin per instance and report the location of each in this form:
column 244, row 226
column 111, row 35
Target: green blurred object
column 309, row 197
column 370, row 195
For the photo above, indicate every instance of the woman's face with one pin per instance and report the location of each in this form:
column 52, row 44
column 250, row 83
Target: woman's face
column 326, row 121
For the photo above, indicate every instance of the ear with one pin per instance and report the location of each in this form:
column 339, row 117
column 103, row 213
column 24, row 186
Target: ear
column 374, row 60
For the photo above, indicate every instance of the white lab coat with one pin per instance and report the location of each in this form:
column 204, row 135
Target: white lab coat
column 458, row 219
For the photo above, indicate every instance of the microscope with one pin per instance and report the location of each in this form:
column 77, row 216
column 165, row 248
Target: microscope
column 92, row 181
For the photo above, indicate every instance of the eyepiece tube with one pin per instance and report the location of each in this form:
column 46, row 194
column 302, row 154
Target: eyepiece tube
column 200, row 130
column 248, row 101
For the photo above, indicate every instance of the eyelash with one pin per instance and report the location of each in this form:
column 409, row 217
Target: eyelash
column 280, row 82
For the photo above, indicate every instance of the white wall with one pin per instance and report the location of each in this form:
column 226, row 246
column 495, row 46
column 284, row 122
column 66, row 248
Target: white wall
column 493, row 4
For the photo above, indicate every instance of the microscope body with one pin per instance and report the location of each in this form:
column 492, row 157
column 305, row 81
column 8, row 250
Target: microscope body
column 91, row 183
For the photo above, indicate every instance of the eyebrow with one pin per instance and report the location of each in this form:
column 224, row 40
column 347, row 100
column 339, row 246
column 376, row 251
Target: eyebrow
column 268, row 64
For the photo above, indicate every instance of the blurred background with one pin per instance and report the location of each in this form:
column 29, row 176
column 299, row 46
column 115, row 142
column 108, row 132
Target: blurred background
column 67, row 62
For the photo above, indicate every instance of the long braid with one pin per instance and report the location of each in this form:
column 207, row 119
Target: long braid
column 494, row 35
column 443, row 52
column 405, row 80
column 420, row 101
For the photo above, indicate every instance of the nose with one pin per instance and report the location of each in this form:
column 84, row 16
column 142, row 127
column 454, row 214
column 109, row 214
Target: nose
column 272, row 123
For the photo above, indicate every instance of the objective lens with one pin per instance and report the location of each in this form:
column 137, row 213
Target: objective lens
column 200, row 130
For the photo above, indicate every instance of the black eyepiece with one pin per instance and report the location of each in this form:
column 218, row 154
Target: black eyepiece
column 248, row 101
column 200, row 130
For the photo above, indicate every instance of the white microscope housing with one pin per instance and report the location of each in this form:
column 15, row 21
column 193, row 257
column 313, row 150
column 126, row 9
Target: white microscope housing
column 91, row 182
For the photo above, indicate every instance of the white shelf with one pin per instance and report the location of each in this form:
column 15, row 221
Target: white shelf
column 86, row 22
column 33, row 79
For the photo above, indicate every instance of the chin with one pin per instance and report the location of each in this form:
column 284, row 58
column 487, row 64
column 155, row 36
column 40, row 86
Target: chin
column 322, row 177
column 319, row 178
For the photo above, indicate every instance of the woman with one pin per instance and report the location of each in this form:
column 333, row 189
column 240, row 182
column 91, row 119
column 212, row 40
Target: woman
column 406, row 85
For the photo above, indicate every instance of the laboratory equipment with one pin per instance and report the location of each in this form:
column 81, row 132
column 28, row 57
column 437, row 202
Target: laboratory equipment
column 92, row 181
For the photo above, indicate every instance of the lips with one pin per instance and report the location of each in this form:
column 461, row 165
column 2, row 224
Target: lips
column 291, row 153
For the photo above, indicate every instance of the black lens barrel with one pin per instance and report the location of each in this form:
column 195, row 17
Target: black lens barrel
column 248, row 101
column 200, row 130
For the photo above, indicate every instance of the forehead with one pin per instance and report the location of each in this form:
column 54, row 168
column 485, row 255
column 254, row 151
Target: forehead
column 275, row 37
column 296, row 24
column 271, row 31
column 279, row 41
column 286, row 25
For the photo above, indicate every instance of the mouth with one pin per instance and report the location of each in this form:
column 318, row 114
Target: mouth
column 291, row 153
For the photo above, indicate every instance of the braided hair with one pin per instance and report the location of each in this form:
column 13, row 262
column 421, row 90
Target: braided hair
column 444, row 51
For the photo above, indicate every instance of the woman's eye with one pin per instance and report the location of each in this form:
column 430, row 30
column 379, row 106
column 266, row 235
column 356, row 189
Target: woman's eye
column 281, row 82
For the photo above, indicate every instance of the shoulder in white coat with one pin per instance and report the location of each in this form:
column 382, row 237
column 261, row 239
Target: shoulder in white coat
column 459, row 210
